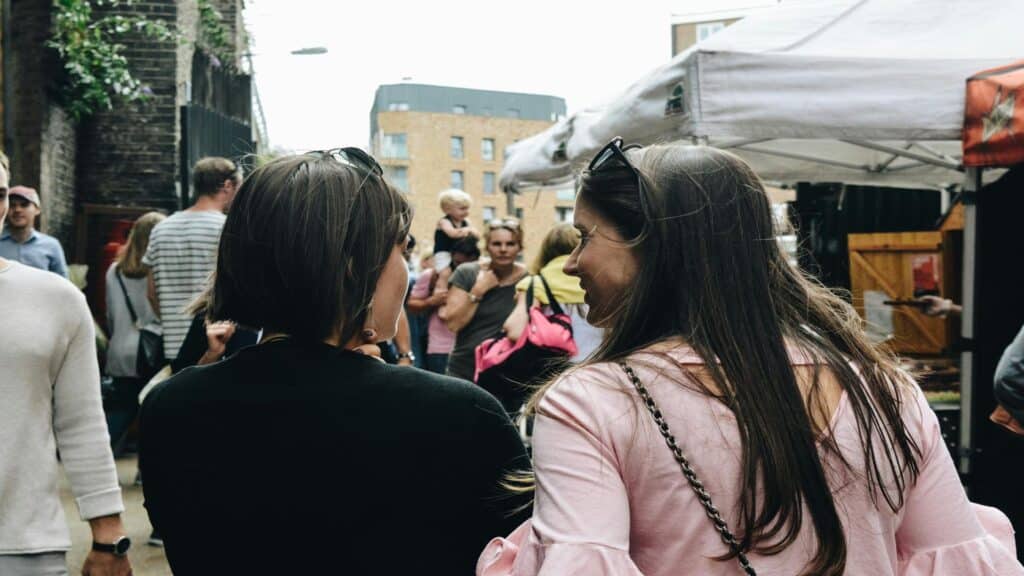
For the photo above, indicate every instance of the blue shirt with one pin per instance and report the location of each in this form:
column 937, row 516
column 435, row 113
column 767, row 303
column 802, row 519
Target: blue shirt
column 39, row 251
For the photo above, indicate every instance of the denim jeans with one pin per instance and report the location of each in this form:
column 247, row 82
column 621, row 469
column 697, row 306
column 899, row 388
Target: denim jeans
column 437, row 363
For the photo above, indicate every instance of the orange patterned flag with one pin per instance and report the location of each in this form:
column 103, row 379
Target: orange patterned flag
column 994, row 117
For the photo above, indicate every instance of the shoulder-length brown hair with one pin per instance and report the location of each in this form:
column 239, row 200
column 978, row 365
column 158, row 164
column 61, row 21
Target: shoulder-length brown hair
column 129, row 262
column 304, row 244
column 712, row 273
column 561, row 240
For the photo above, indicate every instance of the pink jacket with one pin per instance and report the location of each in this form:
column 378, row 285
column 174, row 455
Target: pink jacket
column 612, row 501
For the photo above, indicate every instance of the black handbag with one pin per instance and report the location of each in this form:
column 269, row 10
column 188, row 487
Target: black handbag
column 511, row 370
column 150, row 356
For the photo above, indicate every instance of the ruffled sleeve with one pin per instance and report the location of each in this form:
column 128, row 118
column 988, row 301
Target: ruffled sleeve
column 521, row 554
column 581, row 523
column 941, row 532
column 991, row 554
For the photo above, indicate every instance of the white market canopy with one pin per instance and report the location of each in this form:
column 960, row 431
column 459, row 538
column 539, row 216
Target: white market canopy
column 868, row 91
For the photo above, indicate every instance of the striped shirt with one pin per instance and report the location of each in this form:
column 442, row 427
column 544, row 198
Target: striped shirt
column 182, row 253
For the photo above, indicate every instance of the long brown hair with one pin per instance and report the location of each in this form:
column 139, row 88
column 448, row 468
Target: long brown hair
column 129, row 262
column 712, row 273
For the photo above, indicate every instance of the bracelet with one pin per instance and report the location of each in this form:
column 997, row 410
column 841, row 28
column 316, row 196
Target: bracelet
column 473, row 298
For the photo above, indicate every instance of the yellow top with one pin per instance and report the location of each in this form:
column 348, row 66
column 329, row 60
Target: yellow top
column 565, row 288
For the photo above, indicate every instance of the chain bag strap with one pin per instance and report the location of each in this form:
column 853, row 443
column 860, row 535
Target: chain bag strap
column 688, row 472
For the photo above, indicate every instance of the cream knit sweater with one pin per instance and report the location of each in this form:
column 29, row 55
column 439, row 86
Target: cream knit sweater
column 49, row 402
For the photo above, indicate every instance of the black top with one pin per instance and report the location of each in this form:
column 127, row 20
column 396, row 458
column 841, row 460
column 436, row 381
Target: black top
column 293, row 459
column 195, row 343
column 444, row 242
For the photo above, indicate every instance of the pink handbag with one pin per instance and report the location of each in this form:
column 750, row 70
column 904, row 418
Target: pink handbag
column 506, row 368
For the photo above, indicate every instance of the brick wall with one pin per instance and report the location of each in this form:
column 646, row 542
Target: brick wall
column 42, row 136
column 129, row 156
column 57, row 176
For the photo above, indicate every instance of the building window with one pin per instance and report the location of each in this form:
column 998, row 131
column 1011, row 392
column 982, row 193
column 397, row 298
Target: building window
column 519, row 214
column 563, row 214
column 398, row 106
column 513, row 112
column 567, row 194
column 457, row 181
column 488, row 182
column 394, row 146
column 398, row 176
column 458, row 109
column 706, row 29
column 489, row 214
column 487, row 148
column 456, row 146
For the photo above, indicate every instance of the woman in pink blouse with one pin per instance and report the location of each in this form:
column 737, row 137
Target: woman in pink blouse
column 810, row 449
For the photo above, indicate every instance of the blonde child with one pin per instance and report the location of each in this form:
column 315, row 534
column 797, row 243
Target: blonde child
column 454, row 225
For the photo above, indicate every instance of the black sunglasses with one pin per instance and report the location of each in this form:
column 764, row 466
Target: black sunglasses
column 613, row 156
column 355, row 157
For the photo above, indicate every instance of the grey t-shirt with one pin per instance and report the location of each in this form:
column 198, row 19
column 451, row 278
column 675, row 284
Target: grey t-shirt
column 490, row 315
column 1009, row 380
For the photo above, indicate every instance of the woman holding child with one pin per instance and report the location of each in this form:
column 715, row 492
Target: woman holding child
column 481, row 296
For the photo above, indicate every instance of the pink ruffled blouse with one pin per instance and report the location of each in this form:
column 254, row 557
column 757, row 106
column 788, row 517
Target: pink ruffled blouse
column 612, row 501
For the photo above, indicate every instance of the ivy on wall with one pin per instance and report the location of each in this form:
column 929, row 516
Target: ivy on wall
column 96, row 73
column 214, row 35
column 95, row 69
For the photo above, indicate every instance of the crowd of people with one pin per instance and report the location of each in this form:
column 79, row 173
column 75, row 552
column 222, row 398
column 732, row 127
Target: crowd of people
column 722, row 412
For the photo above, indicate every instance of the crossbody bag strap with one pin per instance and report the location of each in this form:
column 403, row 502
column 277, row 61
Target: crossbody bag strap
column 555, row 306
column 127, row 299
column 698, row 487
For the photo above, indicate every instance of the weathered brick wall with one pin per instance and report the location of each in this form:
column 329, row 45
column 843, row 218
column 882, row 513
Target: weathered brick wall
column 57, row 176
column 42, row 136
column 129, row 156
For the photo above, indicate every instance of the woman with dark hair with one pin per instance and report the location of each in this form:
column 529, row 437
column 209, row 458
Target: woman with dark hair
column 306, row 450
column 735, row 418
column 482, row 295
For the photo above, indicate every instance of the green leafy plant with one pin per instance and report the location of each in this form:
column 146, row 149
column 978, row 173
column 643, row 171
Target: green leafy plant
column 214, row 35
column 95, row 69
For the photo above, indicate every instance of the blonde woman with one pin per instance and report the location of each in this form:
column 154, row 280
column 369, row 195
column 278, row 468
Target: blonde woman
column 126, row 286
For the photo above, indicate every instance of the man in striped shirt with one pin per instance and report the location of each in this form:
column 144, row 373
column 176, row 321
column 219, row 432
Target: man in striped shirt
column 183, row 248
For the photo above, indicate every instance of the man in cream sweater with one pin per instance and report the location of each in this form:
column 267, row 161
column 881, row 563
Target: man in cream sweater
column 50, row 402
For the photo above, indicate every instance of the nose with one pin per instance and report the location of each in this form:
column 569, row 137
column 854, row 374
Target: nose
column 572, row 265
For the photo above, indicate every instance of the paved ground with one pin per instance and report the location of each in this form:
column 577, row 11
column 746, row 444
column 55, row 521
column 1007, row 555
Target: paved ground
column 146, row 560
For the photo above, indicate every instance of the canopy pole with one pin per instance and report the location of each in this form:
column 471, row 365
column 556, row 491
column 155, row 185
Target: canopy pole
column 806, row 158
column 972, row 184
column 926, row 158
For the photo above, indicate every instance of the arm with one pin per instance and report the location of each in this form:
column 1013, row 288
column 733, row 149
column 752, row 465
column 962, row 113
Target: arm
column 420, row 299
column 1009, row 378
column 58, row 264
column 464, row 297
column 455, row 233
column 516, row 321
column 81, row 433
column 151, row 293
column 939, row 526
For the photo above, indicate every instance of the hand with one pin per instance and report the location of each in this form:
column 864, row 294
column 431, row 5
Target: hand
column 470, row 231
column 1002, row 417
column 106, row 564
column 438, row 298
column 485, row 281
column 217, row 336
column 937, row 306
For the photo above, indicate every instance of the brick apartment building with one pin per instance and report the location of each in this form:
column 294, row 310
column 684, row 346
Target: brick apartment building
column 430, row 138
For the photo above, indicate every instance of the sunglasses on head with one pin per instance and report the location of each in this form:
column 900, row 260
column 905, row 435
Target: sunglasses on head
column 354, row 157
column 504, row 223
column 613, row 156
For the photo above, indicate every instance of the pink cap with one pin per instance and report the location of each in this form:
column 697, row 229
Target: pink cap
column 25, row 192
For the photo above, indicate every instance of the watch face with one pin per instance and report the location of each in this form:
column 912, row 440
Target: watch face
column 122, row 545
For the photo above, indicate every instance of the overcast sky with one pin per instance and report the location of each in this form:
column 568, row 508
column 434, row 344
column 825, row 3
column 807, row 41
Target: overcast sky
column 583, row 51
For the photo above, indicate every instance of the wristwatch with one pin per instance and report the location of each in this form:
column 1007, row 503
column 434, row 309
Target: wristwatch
column 474, row 298
column 119, row 548
column 409, row 355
